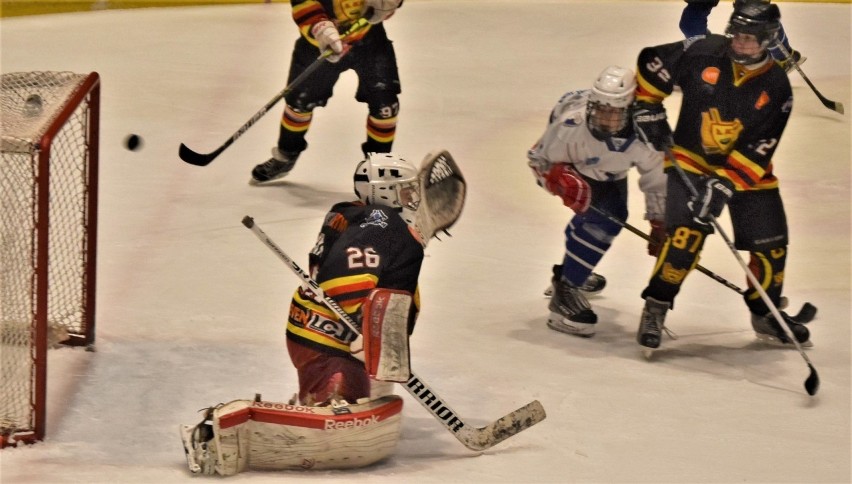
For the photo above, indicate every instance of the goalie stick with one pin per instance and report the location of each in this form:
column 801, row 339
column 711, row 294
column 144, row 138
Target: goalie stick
column 477, row 439
column 812, row 381
column 805, row 315
column 204, row 159
column 833, row 105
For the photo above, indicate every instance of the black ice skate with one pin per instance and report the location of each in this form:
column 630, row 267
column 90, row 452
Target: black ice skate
column 651, row 324
column 276, row 167
column 593, row 284
column 570, row 312
column 769, row 330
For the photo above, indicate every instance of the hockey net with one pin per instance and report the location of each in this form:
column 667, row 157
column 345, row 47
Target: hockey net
column 48, row 219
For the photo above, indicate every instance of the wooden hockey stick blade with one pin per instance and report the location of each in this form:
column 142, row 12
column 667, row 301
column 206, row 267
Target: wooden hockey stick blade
column 510, row 424
column 473, row 438
column 833, row 105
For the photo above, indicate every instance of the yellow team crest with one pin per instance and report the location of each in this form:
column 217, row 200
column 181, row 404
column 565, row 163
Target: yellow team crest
column 718, row 136
column 348, row 10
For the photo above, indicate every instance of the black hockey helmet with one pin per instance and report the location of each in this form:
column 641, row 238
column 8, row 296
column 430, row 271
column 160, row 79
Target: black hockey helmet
column 755, row 17
column 758, row 18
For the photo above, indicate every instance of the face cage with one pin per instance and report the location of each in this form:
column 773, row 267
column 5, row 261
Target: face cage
column 595, row 111
column 408, row 195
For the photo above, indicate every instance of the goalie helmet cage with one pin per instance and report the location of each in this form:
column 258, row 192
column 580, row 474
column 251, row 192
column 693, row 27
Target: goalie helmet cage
column 48, row 223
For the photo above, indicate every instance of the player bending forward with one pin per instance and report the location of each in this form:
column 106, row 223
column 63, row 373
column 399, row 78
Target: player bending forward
column 367, row 258
column 736, row 104
column 584, row 157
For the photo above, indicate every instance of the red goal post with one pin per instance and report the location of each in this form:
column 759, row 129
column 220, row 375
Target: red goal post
column 49, row 135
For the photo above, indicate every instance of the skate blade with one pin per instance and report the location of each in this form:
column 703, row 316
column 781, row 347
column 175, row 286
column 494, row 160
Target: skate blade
column 774, row 341
column 186, row 438
column 582, row 330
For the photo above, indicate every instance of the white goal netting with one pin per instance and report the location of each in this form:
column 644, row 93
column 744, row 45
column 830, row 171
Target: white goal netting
column 47, row 225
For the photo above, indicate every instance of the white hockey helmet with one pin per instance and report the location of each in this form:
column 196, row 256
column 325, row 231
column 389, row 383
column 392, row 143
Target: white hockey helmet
column 608, row 108
column 390, row 180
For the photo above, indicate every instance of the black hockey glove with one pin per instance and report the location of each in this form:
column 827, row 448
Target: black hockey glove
column 712, row 197
column 651, row 125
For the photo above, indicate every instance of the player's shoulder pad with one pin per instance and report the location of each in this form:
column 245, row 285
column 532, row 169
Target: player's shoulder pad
column 713, row 45
column 571, row 107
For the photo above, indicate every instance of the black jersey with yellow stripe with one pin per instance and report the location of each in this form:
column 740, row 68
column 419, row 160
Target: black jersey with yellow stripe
column 731, row 119
column 343, row 13
column 359, row 248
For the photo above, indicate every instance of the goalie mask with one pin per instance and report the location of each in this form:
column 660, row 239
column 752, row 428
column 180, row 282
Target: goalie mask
column 429, row 200
column 390, row 180
column 753, row 28
column 608, row 107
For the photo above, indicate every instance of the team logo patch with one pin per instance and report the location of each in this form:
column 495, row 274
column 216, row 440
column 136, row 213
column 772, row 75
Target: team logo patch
column 376, row 217
column 717, row 135
column 710, row 75
column 762, row 100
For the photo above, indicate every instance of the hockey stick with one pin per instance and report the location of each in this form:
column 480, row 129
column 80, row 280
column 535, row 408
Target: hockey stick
column 805, row 315
column 473, row 438
column 833, row 105
column 204, row 159
column 812, row 382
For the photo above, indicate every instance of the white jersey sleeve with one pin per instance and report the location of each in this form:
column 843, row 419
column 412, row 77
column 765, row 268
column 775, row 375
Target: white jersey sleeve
column 567, row 139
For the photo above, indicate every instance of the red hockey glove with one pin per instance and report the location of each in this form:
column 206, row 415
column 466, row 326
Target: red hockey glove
column 563, row 181
column 656, row 238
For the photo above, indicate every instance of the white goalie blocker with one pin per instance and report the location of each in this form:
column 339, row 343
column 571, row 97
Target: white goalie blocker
column 244, row 434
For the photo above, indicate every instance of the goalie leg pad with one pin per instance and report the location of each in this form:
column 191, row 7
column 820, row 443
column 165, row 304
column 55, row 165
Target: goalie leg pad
column 282, row 436
column 385, row 316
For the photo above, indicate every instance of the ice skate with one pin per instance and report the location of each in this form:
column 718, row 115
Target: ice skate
column 769, row 330
column 593, row 284
column 570, row 312
column 199, row 445
column 651, row 325
column 274, row 168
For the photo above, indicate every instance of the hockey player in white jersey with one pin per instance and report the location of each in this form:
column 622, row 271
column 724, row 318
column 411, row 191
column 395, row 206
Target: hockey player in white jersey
column 584, row 157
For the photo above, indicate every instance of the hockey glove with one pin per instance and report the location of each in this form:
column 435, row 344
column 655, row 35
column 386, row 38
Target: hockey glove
column 652, row 125
column 377, row 11
column 657, row 237
column 563, row 181
column 711, row 199
column 328, row 38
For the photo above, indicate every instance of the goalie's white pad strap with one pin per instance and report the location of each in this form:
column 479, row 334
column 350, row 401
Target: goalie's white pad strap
column 384, row 325
column 280, row 436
